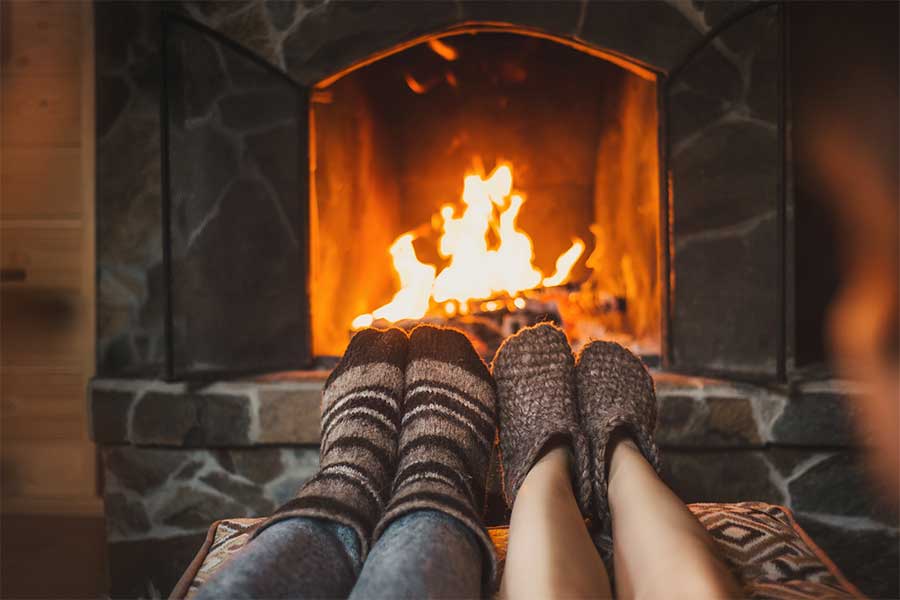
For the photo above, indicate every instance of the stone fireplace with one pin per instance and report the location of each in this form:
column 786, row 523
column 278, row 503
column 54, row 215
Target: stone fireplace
column 271, row 175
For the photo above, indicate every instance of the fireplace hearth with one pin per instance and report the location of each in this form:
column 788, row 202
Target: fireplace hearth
column 257, row 162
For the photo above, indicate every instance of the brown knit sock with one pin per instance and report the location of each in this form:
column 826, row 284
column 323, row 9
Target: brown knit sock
column 535, row 375
column 448, row 430
column 360, row 430
column 615, row 397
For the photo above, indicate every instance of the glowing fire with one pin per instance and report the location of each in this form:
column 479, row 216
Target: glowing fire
column 476, row 269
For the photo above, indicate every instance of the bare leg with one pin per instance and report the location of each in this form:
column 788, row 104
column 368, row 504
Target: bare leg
column 550, row 554
column 660, row 549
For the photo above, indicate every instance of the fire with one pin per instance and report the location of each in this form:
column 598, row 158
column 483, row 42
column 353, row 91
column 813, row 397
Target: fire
column 476, row 269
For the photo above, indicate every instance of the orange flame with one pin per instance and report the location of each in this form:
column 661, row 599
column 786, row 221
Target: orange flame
column 474, row 270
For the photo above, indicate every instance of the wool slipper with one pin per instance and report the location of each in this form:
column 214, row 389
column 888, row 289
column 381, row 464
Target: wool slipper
column 615, row 394
column 535, row 376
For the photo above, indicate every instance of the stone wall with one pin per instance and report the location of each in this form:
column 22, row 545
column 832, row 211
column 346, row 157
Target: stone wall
column 176, row 459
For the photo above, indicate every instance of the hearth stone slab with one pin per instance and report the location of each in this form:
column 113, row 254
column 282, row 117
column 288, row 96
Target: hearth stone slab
column 693, row 413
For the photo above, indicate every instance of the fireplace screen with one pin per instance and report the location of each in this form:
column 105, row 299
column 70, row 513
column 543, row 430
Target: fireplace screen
column 235, row 232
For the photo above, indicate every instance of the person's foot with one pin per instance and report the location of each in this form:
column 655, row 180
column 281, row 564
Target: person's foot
column 449, row 424
column 617, row 406
column 361, row 406
column 535, row 376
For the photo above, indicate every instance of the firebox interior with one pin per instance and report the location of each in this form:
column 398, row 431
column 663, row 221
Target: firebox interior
column 391, row 142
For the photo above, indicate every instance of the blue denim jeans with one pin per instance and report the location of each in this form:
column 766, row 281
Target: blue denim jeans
column 424, row 554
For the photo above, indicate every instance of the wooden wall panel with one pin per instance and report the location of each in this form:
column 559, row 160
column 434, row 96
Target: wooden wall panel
column 38, row 182
column 41, row 110
column 46, row 228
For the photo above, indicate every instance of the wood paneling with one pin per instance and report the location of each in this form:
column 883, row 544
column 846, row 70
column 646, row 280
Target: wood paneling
column 50, row 254
column 38, row 183
column 47, row 469
column 41, row 110
column 43, row 37
column 46, row 228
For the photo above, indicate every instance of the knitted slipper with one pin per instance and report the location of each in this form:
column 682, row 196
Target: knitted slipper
column 535, row 376
column 615, row 392
column 359, row 433
column 448, row 430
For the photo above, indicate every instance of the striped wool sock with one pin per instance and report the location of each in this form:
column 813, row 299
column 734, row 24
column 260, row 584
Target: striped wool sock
column 448, row 430
column 359, row 434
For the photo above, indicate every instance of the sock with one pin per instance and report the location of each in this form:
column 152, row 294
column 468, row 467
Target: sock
column 448, row 430
column 535, row 375
column 359, row 435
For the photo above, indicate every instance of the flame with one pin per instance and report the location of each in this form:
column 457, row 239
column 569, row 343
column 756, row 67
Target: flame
column 474, row 270
column 564, row 264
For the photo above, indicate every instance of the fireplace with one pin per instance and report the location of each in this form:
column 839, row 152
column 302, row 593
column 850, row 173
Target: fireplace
column 299, row 212
column 257, row 162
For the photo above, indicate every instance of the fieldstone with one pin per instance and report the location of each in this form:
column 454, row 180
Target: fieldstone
column 725, row 176
column 163, row 419
column 764, row 95
column 724, row 476
column 787, row 460
column 725, row 317
column 653, row 32
column 124, row 518
column 247, row 494
column 202, row 76
column 825, row 419
column 204, row 163
column 113, row 96
column 674, row 417
column 841, row 486
column 250, row 28
column 259, row 465
column 109, row 415
column 245, row 111
column 869, row 558
column 116, row 25
column 552, row 16
column 276, row 153
column 281, row 13
column 194, row 509
column 188, row 471
column 716, row 12
column 731, row 421
column 223, row 420
column 701, row 93
column 140, row 469
column 334, row 35
column 707, row 422
column 221, row 281
column 289, row 416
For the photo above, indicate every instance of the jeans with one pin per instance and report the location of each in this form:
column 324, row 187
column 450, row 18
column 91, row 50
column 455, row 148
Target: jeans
column 424, row 554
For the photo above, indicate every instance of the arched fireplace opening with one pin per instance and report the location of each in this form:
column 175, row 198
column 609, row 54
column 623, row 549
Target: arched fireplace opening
column 399, row 235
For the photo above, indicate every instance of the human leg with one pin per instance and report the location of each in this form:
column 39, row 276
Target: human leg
column 546, row 471
column 550, row 553
column 659, row 548
column 422, row 554
column 273, row 567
